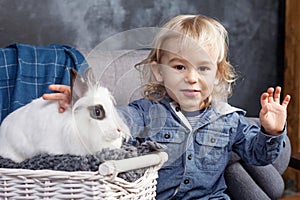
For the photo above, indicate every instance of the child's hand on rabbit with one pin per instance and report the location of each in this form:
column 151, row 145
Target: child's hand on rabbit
column 63, row 95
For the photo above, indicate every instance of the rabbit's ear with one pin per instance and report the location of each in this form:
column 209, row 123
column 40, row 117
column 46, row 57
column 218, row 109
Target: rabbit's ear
column 78, row 85
column 89, row 75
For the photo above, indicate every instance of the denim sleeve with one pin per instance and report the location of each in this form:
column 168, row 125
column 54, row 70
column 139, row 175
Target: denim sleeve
column 254, row 146
column 133, row 117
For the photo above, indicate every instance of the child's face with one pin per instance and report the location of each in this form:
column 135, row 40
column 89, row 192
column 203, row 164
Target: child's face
column 188, row 74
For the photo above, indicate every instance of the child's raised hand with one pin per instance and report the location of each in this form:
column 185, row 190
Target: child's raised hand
column 273, row 114
column 63, row 96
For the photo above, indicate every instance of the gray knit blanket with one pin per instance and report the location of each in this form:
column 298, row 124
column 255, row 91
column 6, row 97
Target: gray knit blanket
column 67, row 162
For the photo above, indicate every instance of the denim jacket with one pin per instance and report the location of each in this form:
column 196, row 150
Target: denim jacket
column 197, row 158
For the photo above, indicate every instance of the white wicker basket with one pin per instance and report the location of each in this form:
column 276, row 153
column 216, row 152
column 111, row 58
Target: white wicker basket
column 103, row 184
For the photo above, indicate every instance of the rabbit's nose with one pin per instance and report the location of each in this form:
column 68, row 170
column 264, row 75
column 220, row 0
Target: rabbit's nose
column 118, row 132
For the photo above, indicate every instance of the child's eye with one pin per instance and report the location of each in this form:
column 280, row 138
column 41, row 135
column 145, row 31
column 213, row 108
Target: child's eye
column 179, row 67
column 203, row 68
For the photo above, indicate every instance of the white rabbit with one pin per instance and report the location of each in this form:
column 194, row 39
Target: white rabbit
column 89, row 125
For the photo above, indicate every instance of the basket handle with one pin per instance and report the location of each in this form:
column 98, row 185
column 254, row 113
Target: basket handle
column 113, row 167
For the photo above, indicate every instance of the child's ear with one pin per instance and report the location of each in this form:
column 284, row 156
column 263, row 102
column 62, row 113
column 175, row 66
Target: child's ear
column 156, row 71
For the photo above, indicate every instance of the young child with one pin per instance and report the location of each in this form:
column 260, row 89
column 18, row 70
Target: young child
column 185, row 108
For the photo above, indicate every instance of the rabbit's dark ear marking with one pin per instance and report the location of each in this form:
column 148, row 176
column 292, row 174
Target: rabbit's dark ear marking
column 78, row 85
column 73, row 74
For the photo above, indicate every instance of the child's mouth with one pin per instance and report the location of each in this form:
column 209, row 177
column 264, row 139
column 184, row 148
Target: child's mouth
column 190, row 93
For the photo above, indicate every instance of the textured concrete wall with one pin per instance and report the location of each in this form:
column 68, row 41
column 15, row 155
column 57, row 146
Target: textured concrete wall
column 255, row 29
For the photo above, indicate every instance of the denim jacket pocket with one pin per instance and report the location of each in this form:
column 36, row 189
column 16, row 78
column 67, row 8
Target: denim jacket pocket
column 172, row 139
column 211, row 150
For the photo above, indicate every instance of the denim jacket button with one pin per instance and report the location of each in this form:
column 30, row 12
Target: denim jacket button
column 186, row 181
column 271, row 142
column 167, row 135
column 189, row 157
column 212, row 140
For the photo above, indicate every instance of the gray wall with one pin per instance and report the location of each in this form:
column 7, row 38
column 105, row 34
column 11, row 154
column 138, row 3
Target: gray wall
column 255, row 28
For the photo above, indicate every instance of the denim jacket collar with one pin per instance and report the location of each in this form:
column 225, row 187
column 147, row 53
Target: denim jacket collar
column 214, row 111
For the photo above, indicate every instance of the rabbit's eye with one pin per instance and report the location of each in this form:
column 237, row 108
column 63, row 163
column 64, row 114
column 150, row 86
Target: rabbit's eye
column 97, row 111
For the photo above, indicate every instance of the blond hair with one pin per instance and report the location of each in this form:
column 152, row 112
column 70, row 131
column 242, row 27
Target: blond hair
column 206, row 32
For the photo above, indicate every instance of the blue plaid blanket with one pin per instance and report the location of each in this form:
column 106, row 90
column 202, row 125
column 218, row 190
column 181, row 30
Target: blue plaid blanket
column 26, row 72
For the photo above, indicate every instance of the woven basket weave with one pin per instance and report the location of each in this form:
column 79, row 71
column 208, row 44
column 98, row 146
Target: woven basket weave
column 48, row 184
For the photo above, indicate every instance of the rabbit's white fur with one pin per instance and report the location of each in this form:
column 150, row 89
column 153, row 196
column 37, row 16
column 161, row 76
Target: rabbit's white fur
column 38, row 127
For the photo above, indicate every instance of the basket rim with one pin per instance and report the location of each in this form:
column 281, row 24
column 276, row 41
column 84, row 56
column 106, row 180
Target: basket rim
column 68, row 175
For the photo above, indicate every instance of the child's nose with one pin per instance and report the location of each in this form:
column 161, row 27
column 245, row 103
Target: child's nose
column 191, row 76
